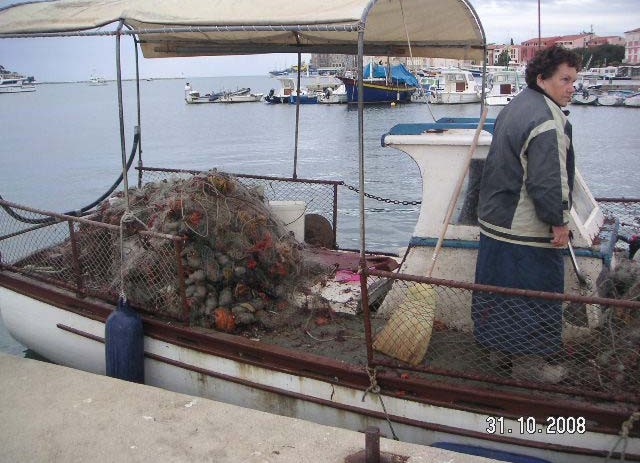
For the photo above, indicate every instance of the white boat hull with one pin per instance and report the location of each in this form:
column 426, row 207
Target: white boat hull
column 499, row 100
column 454, row 98
column 76, row 341
column 17, row 88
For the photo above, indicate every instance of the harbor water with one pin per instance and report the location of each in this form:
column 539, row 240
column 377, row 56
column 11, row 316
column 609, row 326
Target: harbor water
column 60, row 147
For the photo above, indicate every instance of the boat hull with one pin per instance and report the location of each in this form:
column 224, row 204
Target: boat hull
column 17, row 88
column 454, row 98
column 75, row 338
column 377, row 92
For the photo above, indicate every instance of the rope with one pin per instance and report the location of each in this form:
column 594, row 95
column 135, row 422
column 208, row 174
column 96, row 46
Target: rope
column 375, row 389
column 624, row 436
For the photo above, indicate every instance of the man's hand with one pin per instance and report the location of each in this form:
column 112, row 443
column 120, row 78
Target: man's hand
column 560, row 236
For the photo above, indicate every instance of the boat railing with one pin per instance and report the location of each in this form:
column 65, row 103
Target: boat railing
column 84, row 256
column 427, row 326
column 319, row 196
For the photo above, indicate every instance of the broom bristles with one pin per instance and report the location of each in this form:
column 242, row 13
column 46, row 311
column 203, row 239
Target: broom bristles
column 407, row 334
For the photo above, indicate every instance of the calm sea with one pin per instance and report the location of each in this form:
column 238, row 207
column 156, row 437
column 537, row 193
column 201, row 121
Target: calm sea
column 60, row 147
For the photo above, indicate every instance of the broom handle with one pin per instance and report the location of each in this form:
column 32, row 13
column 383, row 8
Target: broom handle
column 456, row 193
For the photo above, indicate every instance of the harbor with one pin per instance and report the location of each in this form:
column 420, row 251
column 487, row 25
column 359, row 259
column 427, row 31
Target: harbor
column 313, row 262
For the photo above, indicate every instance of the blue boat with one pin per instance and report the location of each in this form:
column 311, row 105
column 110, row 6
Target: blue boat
column 380, row 87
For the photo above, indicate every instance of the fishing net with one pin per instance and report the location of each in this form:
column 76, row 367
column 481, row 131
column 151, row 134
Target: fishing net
column 238, row 258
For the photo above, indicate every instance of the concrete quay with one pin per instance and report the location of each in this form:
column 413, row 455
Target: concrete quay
column 50, row 413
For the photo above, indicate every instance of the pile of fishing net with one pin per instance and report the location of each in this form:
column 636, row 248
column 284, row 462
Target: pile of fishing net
column 238, row 260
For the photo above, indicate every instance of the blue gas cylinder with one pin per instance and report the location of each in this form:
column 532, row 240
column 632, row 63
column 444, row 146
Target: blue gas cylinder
column 124, row 344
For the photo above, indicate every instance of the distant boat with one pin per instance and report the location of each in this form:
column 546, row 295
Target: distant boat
column 12, row 82
column 585, row 98
column 15, row 85
column 234, row 97
column 632, row 101
column 382, row 86
column 329, row 96
column 505, row 85
column 96, row 80
column 611, row 99
column 455, row 86
column 238, row 96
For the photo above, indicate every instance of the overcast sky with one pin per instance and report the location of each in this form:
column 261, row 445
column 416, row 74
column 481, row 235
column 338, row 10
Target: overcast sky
column 77, row 58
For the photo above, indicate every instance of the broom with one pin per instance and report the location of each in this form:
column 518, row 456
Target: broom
column 407, row 334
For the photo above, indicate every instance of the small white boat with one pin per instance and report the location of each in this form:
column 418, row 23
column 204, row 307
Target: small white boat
column 585, row 98
column 504, row 86
column 238, row 98
column 287, row 88
column 610, row 99
column 97, row 80
column 632, row 101
column 455, row 87
column 337, row 96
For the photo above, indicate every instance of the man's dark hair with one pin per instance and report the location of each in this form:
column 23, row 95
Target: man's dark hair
column 547, row 60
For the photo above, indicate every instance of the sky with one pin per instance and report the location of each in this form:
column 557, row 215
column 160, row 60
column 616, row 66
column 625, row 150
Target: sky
column 71, row 59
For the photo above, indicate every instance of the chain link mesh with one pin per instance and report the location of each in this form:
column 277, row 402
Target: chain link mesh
column 84, row 255
column 426, row 328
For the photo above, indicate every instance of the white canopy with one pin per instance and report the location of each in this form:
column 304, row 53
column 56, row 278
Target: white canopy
column 171, row 28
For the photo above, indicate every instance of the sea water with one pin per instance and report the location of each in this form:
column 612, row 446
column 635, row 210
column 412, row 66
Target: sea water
column 60, row 147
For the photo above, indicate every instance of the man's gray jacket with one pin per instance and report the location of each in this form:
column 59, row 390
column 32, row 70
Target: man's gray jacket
column 528, row 175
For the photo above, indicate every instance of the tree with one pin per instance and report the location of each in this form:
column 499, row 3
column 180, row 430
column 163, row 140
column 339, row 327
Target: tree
column 504, row 58
column 602, row 55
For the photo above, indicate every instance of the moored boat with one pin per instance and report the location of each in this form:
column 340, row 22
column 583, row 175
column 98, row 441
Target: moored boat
column 56, row 300
column 504, row 86
column 585, row 98
column 632, row 101
column 455, row 87
column 381, row 85
column 12, row 82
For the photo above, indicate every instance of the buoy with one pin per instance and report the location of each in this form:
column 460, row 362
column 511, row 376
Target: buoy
column 393, row 103
column 124, row 344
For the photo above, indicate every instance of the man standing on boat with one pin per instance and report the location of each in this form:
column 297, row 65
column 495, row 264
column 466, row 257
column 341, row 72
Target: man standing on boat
column 523, row 211
column 187, row 90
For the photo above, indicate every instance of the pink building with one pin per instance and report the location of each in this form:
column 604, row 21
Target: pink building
column 632, row 47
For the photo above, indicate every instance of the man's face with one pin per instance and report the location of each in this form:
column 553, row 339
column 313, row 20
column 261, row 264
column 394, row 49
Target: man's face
column 559, row 86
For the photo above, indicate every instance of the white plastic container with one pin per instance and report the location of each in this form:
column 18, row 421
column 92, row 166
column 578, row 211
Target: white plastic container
column 292, row 214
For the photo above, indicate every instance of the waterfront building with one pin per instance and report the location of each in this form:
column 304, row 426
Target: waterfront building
column 632, row 47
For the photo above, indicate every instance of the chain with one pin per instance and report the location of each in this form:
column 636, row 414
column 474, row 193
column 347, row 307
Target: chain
column 374, row 388
column 384, row 200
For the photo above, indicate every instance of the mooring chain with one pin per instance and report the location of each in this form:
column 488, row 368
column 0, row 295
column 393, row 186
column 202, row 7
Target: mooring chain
column 384, row 200
column 374, row 388
column 624, row 436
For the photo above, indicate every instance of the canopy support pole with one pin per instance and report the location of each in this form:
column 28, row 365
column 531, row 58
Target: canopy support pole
column 135, row 47
column 121, row 116
column 360, row 64
column 295, row 152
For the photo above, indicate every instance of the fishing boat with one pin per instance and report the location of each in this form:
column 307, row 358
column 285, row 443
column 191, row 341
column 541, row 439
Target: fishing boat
column 505, row 85
column 63, row 275
column 381, row 84
column 455, row 87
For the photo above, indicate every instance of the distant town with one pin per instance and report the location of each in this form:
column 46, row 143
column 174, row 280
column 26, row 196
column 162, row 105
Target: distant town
column 622, row 52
